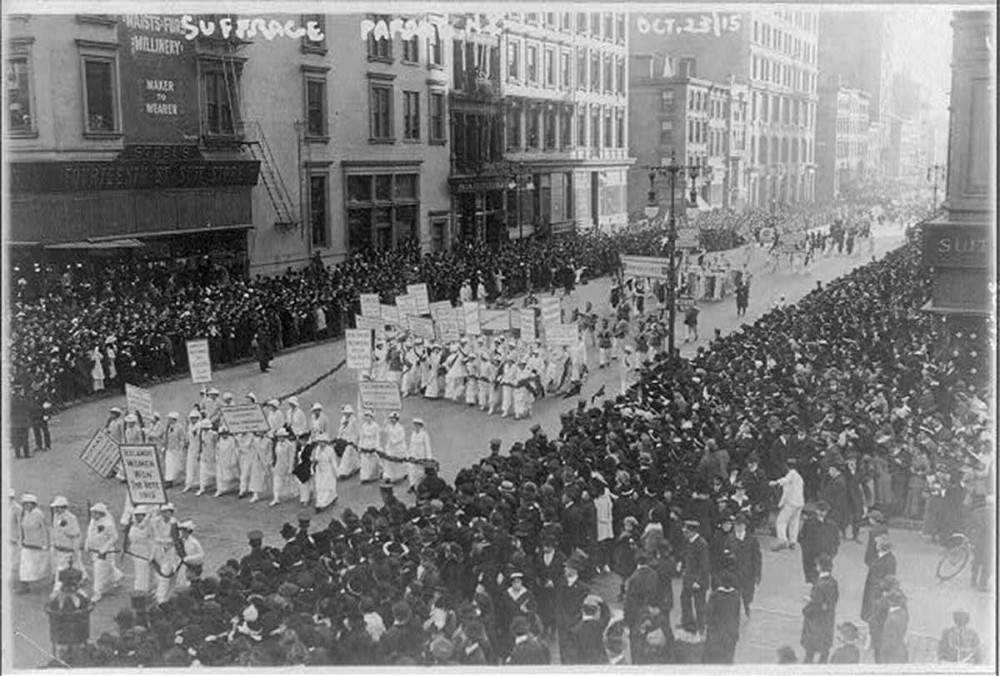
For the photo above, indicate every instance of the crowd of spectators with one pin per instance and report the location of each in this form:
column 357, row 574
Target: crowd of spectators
column 852, row 381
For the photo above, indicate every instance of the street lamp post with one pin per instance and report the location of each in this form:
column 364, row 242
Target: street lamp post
column 935, row 172
column 652, row 210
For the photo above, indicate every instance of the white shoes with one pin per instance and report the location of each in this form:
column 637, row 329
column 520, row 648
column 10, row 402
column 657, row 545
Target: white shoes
column 273, row 503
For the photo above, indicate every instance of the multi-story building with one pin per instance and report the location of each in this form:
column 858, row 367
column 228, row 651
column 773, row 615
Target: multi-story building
column 272, row 148
column 856, row 46
column 699, row 122
column 563, row 81
column 842, row 134
column 773, row 54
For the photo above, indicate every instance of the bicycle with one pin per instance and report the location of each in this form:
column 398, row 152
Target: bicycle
column 956, row 558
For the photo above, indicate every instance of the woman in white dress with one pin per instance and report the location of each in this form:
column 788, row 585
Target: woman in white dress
column 432, row 379
column 97, row 372
column 227, row 470
column 324, row 473
column 207, row 463
column 193, row 451
column 175, row 440
column 347, row 436
column 156, row 432
column 260, row 464
column 244, row 460
column 369, row 445
column 284, row 452
column 420, row 448
column 394, row 467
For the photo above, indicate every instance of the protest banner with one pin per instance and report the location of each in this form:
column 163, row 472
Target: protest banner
column 440, row 307
column 370, row 323
column 527, row 325
column 551, row 311
column 407, row 305
column 370, row 305
column 139, row 399
column 561, row 334
column 359, row 348
column 688, row 238
column 390, row 315
column 381, row 395
column 141, row 466
column 199, row 361
column 421, row 326
column 101, row 454
column 460, row 320
column 447, row 325
column 423, row 299
column 494, row 320
column 645, row 267
column 245, row 418
column 470, row 313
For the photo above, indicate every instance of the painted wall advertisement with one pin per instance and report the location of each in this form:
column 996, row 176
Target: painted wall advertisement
column 159, row 80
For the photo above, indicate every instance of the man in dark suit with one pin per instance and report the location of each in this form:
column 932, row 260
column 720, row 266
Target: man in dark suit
column 819, row 613
column 746, row 551
column 527, row 648
column 818, row 536
column 723, row 620
column 884, row 564
column 855, row 498
column 403, row 639
column 569, row 600
column 695, row 576
column 642, row 589
column 588, row 636
column 548, row 577
column 777, row 455
column 574, row 522
column 834, row 493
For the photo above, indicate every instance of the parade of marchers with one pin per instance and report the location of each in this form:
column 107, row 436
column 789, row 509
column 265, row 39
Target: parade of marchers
column 801, row 424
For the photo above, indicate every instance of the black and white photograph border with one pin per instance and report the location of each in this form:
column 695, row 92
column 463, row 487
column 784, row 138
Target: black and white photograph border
column 589, row 336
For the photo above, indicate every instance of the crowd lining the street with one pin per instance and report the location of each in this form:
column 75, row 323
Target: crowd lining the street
column 835, row 411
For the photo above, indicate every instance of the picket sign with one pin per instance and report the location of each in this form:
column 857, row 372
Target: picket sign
column 359, row 348
column 370, row 305
column 199, row 361
column 423, row 300
column 470, row 313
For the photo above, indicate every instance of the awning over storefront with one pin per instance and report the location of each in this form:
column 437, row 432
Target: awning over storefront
column 105, row 244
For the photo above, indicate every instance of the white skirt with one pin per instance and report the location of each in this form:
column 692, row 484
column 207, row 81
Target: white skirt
column 34, row 564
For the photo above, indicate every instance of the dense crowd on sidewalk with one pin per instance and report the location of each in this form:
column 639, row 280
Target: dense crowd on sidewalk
column 849, row 404
column 99, row 327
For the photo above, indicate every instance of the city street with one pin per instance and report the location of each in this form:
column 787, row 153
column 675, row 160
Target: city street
column 459, row 436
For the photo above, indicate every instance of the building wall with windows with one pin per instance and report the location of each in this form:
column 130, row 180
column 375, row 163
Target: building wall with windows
column 773, row 53
column 564, row 83
column 842, row 135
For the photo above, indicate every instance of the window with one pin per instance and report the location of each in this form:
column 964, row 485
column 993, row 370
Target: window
column 595, row 128
column 514, row 128
column 686, row 68
column 608, row 73
column 315, row 106
column 439, row 228
column 380, row 49
column 101, row 95
column 532, row 64
column 221, row 99
column 620, row 137
column 531, row 17
column 620, row 26
column 550, row 68
column 564, row 21
column 609, row 134
column 387, row 221
column 534, row 137
column 381, row 113
column 550, row 130
column 411, row 50
column 20, row 118
column 437, row 117
column 581, row 23
column 309, row 45
column 609, row 26
column 318, row 210
column 550, row 19
column 566, row 128
column 666, row 132
column 514, row 60
column 667, row 99
column 411, row 116
column 581, row 68
column 564, row 66
column 595, row 71
column 435, row 49
column 619, row 75
column 595, row 25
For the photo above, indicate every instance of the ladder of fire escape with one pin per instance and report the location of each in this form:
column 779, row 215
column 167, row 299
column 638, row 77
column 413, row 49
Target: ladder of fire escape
column 277, row 192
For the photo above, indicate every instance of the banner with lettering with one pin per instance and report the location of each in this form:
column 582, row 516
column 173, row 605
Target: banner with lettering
column 470, row 312
column 141, row 467
column 527, row 324
column 370, row 305
column 381, row 395
column 159, row 81
column 139, row 399
column 359, row 348
column 419, row 291
column 101, row 454
column 561, row 334
column 440, row 307
column 407, row 305
column 551, row 310
column 446, row 324
column 376, row 325
column 199, row 361
column 494, row 320
column 245, row 418
column 421, row 326
column 390, row 315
